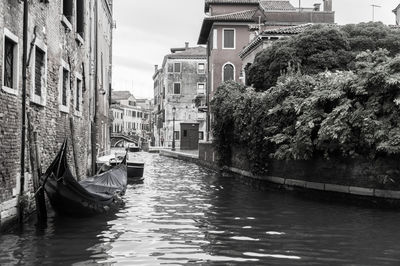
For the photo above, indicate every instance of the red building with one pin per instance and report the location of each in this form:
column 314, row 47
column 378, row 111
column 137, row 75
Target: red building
column 230, row 25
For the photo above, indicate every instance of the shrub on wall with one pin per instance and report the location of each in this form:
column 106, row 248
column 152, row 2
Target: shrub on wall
column 346, row 114
column 321, row 48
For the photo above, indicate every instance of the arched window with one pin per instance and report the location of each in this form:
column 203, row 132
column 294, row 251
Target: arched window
column 229, row 72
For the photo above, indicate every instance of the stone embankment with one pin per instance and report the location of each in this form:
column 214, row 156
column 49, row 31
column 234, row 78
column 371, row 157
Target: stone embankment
column 346, row 188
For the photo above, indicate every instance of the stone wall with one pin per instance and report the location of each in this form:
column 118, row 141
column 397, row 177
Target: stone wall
column 357, row 181
column 382, row 173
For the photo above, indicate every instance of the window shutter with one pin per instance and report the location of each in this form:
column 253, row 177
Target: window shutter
column 228, row 72
column 8, row 63
column 229, row 40
column 39, row 69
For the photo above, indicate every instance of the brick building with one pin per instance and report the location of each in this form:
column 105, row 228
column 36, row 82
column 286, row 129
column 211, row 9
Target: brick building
column 180, row 83
column 60, row 88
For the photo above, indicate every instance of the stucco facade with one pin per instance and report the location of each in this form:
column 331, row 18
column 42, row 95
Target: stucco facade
column 181, row 83
column 230, row 25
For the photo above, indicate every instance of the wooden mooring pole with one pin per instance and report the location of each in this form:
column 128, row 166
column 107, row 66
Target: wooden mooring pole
column 36, row 174
column 74, row 149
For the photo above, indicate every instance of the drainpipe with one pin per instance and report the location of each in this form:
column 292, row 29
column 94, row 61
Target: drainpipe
column 94, row 126
column 209, row 81
column 23, row 108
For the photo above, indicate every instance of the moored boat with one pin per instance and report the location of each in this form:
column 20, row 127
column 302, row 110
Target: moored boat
column 135, row 167
column 95, row 195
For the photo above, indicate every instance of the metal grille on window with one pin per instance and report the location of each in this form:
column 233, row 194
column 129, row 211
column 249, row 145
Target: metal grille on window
column 64, row 87
column 229, row 39
column 228, row 72
column 39, row 71
column 8, row 63
column 177, row 68
column 177, row 88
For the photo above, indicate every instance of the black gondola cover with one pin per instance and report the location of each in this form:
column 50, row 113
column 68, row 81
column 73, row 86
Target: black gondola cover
column 95, row 195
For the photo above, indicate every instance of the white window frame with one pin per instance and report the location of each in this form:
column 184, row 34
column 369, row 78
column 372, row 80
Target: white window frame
column 234, row 39
column 79, row 77
column 64, row 19
column 215, row 39
column 64, row 66
column 40, row 100
column 180, row 88
column 7, row 33
column 198, row 90
column 198, row 69
column 234, row 71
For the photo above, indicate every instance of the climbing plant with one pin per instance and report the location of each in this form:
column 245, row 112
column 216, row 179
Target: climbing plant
column 348, row 114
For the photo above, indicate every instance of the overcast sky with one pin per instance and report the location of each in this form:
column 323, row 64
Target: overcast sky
column 147, row 29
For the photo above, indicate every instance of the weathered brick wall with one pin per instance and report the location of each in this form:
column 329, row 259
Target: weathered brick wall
column 10, row 109
column 51, row 124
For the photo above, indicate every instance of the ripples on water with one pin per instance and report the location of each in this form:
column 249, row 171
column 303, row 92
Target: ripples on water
column 186, row 215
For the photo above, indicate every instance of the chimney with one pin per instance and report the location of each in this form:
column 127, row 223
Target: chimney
column 317, row 7
column 155, row 68
column 328, row 5
column 186, row 45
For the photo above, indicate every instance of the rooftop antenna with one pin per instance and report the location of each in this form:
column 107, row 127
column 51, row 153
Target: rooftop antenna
column 373, row 11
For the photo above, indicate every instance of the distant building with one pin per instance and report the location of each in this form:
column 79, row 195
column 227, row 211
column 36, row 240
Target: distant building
column 132, row 114
column 230, row 25
column 180, row 83
column 147, row 108
column 396, row 11
column 158, row 115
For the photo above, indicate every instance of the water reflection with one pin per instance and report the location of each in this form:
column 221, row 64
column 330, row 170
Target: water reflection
column 183, row 214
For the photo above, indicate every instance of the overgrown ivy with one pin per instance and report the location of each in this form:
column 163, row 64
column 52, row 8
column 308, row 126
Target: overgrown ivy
column 345, row 114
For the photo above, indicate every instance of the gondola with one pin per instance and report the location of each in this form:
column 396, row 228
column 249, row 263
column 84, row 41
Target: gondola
column 99, row 194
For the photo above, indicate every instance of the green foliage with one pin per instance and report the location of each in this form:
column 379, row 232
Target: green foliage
column 321, row 48
column 344, row 114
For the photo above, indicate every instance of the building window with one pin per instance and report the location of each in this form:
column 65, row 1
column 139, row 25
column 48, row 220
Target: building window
column 177, row 67
column 39, row 71
column 228, row 72
column 201, row 88
column 177, row 88
column 215, row 39
column 80, row 17
column 78, row 94
column 176, row 135
column 201, row 135
column 229, row 39
column 201, row 68
column 10, row 63
column 39, row 74
column 64, row 84
column 68, row 9
column 64, row 90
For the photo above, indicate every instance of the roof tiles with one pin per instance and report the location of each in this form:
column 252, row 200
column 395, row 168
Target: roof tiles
column 277, row 5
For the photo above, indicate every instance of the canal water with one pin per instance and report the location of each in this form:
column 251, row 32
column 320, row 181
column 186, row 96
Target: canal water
column 184, row 214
